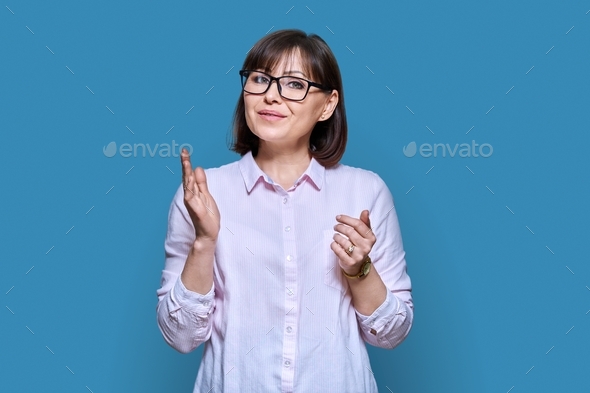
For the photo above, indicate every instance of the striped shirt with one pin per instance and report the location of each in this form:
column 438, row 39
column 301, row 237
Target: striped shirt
column 279, row 316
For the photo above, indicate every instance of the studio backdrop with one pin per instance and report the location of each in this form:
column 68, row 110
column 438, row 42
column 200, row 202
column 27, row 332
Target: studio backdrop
column 475, row 114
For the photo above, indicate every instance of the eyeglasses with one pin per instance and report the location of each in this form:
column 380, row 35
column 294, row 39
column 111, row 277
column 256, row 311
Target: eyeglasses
column 290, row 87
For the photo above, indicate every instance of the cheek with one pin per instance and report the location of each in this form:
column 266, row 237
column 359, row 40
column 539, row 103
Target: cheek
column 314, row 108
column 249, row 122
column 248, row 112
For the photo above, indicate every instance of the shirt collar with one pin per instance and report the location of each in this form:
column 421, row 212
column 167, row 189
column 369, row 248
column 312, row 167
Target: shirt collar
column 251, row 172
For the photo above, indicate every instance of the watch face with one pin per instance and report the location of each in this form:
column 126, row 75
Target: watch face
column 366, row 268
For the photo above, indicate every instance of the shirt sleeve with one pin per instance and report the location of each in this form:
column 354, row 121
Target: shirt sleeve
column 184, row 316
column 391, row 322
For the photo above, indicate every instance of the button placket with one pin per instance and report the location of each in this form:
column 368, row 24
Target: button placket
column 291, row 309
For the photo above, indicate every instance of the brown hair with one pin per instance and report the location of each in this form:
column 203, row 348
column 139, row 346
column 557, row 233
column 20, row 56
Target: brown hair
column 328, row 137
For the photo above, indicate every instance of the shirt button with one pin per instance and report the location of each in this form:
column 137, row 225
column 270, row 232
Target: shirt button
column 206, row 303
column 284, row 200
column 287, row 363
column 289, row 257
column 287, row 229
column 289, row 329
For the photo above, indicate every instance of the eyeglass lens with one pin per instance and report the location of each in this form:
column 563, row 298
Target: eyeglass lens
column 291, row 87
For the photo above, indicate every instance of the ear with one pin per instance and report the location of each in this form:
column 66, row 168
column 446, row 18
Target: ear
column 330, row 105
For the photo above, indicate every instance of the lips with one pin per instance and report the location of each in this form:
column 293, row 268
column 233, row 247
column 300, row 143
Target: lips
column 270, row 113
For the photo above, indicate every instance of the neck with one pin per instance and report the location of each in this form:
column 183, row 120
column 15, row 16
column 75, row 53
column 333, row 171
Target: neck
column 283, row 166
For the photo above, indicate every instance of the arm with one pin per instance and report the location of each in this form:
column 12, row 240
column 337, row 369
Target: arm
column 385, row 293
column 183, row 314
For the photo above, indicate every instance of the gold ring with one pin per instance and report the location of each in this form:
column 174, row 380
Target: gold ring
column 350, row 248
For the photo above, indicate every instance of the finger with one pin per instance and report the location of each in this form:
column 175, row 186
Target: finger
column 359, row 226
column 202, row 189
column 188, row 177
column 201, row 180
column 194, row 198
column 367, row 222
column 189, row 188
column 341, row 253
column 350, row 233
column 344, row 243
column 188, row 174
column 185, row 162
column 356, row 239
column 365, row 218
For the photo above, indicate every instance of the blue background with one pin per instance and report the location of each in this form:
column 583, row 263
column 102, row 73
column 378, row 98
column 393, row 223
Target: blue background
column 496, row 247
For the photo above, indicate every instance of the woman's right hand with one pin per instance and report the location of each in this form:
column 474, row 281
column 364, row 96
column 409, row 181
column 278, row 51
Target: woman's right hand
column 198, row 201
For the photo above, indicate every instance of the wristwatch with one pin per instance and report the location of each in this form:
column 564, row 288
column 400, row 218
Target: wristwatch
column 365, row 269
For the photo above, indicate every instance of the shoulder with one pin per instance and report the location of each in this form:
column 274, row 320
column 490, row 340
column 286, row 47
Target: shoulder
column 224, row 177
column 349, row 174
column 223, row 172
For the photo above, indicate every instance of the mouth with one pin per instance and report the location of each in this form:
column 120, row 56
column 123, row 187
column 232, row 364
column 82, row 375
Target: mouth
column 267, row 115
column 270, row 113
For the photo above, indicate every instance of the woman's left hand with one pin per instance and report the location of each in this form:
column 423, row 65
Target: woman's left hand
column 359, row 234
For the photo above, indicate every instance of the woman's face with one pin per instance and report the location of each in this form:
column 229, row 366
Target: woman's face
column 295, row 119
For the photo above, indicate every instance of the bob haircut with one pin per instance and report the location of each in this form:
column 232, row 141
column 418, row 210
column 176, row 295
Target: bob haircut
column 328, row 138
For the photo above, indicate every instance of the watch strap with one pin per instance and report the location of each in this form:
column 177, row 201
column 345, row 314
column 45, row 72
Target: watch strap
column 362, row 273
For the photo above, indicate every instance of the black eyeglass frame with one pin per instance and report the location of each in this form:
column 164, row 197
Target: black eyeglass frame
column 244, row 77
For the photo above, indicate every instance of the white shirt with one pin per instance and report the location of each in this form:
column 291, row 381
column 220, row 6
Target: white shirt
column 279, row 316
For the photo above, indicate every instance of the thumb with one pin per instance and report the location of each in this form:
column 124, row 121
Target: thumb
column 365, row 218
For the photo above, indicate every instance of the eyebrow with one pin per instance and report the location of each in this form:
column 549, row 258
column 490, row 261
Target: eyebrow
column 287, row 72
column 292, row 72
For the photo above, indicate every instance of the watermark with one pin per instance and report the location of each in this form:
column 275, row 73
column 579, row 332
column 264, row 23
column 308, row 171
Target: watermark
column 140, row 149
column 463, row 150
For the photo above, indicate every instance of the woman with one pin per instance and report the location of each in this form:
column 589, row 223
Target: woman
column 272, row 260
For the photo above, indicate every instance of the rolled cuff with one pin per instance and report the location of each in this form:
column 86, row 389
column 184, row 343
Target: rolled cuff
column 375, row 322
column 194, row 302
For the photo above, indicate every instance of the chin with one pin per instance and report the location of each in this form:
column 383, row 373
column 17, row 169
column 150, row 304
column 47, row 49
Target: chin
column 268, row 133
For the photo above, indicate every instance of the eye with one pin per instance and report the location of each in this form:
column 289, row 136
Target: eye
column 296, row 84
column 259, row 78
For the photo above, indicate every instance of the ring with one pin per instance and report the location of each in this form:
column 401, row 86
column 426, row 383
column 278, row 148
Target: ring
column 350, row 248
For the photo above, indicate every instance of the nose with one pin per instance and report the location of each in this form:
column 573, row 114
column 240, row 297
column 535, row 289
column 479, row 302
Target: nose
column 273, row 92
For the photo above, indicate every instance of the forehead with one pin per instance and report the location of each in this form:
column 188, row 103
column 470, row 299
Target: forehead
column 287, row 60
